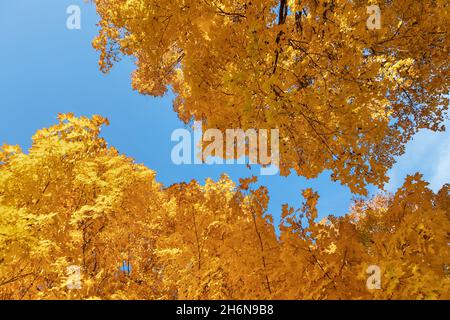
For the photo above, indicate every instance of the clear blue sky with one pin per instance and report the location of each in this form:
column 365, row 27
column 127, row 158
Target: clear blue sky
column 46, row 69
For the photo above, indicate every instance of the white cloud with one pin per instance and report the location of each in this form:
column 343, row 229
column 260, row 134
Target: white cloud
column 429, row 154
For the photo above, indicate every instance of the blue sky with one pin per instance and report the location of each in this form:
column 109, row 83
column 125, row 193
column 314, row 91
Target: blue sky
column 46, row 69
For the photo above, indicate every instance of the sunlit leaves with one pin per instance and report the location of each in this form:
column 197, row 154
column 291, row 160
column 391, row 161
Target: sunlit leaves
column 74, row 201
column 345, row 98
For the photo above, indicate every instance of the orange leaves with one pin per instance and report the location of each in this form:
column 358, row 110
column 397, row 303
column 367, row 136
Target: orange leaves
column 345, row 98
column 72, row 201
column 6, row 151
column 62, row 117
column 245, row 183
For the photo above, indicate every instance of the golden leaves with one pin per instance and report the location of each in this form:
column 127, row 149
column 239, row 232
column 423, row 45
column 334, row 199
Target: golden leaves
column 98, row 209
column 339, row 93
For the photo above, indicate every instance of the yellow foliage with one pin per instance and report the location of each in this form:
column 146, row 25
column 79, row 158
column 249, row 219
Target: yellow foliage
column 74, row 201
column 345, row 98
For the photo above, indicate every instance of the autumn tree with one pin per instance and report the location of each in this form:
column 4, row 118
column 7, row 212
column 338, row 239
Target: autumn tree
column 73, row 200
column 405, row 235
column 344, row 97
column 222, row 245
